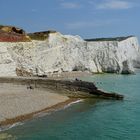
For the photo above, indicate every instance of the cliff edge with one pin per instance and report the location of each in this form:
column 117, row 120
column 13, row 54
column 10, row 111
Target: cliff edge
column 51, row 52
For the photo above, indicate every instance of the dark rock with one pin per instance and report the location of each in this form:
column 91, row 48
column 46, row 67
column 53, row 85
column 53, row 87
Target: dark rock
column 71, row 88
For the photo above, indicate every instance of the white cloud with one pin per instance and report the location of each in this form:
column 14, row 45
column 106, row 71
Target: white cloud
column 115, row 4
column 79, row 25
column 89, row 24
column 70, row 5
column 33, row 10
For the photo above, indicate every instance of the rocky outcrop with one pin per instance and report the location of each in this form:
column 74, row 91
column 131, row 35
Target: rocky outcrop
column 12, row 34
column 71, row 88
column 51, row 52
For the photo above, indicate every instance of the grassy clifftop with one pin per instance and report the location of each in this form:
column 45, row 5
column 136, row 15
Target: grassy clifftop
column 40, row 35
column 109, row 39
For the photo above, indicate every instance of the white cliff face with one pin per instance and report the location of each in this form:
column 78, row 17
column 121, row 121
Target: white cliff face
column 129, row 54
column 60, row 53
column 115, row 56
column 137, row 61
column 7, row 64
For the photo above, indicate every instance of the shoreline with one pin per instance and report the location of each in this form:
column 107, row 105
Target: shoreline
column 36, row 114
column 18, row 103
column 23, row 98
column 13, row 88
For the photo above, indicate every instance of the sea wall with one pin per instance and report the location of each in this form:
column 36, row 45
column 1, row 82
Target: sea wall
column 65, row 53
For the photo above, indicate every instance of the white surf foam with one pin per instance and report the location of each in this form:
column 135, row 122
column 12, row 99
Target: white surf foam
column 4, row 128
column 75, row 102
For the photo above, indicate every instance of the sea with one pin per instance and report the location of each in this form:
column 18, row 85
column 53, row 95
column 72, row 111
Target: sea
column 90, row 119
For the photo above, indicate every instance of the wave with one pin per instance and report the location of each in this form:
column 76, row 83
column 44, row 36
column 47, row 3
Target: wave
column 42, row 114
column 75, row 102
column 4, row 128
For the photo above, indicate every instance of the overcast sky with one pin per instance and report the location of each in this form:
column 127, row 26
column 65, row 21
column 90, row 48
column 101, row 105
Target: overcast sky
column 87, row 18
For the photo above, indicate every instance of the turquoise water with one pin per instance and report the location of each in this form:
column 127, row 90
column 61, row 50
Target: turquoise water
column 91, row 119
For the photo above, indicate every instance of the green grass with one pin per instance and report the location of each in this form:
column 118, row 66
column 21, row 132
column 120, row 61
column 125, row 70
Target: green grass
column 109, row 39
column 40, row 35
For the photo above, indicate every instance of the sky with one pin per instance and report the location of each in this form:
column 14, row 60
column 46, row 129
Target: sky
column 87, row 18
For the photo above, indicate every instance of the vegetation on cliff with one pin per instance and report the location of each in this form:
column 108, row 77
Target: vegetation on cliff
column 40, row 35
column 109, row 39
column 12, row 34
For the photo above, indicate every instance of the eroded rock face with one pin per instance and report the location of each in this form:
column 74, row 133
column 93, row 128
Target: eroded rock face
column 65, row 53
column 69, row 53
column 137, row 61
column 12, row 34
column 12, row 29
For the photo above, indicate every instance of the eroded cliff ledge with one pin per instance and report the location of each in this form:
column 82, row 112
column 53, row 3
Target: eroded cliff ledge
column 51, row 52
column 12, row 34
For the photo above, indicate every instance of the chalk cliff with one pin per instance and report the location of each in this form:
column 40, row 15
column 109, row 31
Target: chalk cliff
column 66, row 53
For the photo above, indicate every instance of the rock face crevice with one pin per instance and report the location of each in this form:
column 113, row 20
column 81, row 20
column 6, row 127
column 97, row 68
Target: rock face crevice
column 65, row 53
